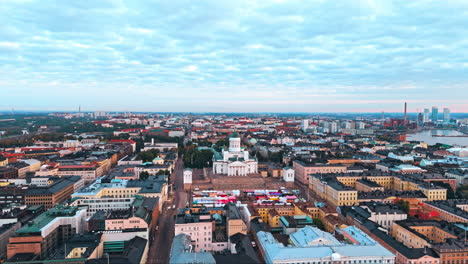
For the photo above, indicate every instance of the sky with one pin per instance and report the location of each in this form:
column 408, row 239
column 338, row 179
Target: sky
column 233, row 56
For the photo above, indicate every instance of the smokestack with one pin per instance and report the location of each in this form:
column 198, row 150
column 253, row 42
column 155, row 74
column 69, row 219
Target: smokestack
column 405, row 111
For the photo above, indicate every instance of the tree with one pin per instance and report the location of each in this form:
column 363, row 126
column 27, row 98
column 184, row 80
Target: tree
column 276, row 156
column 194, row 158
column 144, row 175
column 163, row 172
column 403, row 205
column 462, row 191
column 123, row 136
column 450, row 193
column 148, row 155
column 318, row 223
column 223, row 143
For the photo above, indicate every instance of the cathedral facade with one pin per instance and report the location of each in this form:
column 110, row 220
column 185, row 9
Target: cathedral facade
column 236, row 161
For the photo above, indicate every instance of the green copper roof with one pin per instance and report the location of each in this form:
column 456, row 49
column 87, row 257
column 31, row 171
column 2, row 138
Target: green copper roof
column 217, row 156
column 234, row 135
column 35, row 225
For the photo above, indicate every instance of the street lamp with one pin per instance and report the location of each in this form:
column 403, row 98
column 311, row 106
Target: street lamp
column 107, row 255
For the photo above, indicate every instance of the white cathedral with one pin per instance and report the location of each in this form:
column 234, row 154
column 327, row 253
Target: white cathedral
column 236, row 161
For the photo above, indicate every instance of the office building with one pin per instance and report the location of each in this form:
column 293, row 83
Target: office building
column 446, row 115
column 426, row 115
column 435, row 114
column 45, row 233
column 304, row 124
column 57, row 192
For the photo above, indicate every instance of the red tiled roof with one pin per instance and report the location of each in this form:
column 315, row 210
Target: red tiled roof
column 122, row 141
column 130, row 130
column 76, row 166
column 9, row 155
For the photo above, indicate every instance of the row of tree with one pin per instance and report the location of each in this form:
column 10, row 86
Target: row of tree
column 194, row 158
column 148, row 155
column 144, row 175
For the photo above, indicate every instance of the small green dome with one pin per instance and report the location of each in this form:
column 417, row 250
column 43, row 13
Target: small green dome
column 234, row 135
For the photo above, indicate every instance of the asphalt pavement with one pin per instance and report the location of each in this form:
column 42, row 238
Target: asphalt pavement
column 159, row 251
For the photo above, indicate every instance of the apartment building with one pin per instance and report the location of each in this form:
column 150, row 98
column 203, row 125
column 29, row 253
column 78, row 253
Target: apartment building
column 45, row 233
column 21, row 167
column 118, row 194
column 303, row 169
column 342, row 188
column 449, row 210
column 381, row 213
column 234, row 224
column 424, row 233
column 86, row 172
column 199, row 226
column 56, row 193
column 333, row 191
column 101, row 196
column 365, row 185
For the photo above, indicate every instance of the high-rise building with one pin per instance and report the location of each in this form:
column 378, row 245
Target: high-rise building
column 99, row 114
column 420, row 118
column 435, row 114
column 360, row 125
column 426, row 115
column 446, row 115
column 333, row 127
column 346, row 125
column 305, row 124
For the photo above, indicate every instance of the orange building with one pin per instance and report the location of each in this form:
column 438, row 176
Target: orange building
column 46, row 232
column 56, row 193
column 303, row 169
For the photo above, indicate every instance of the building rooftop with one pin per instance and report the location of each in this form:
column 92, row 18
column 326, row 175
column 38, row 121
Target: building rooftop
column 339, row 186
column 153, row 184
column 57, row 186
column 88, row 241
column 98, row 185
column 381, row 208
column 369, row 183
column 296, row 221
column 451, row 228
column 385, row 194
column 375, row 229
column 310, row 236
column 188, row 217
column 330, row 249
column 181, row 252
column 232, row 211
column 35, row 225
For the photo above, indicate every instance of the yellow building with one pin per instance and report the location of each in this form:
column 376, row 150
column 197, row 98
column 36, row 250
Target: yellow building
column 273, row 218
column 335, row 192
column 419, row 233
column 271, row 214
column 341, row 189
column 434, row 193
column 365, row 185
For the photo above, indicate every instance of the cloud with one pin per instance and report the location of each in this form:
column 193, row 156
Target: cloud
column 250, row 55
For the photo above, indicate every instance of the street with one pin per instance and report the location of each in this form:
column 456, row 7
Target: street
column 160, row 248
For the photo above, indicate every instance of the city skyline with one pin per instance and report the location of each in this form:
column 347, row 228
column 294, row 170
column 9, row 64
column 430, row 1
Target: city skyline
column 241, row 56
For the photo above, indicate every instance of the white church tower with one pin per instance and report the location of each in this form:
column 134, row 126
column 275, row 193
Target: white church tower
column 187, row 178
column 234, row 142
column 288, row 174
